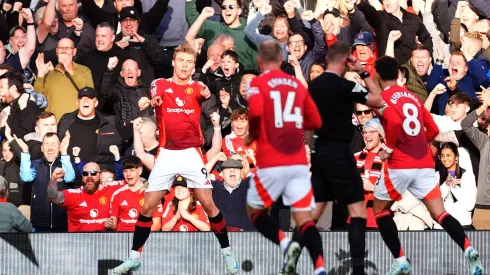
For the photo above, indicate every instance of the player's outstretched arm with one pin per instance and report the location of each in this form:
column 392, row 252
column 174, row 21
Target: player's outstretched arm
column 54, row 195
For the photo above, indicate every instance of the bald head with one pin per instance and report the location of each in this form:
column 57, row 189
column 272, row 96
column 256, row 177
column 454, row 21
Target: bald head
column 214, row 53
column 130, row 72
column 66, row 42
column 270, row 52
column 91, row 166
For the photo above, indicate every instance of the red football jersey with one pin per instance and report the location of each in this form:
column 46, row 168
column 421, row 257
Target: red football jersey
column 404, row 120
column 280, row 108
column 178, row 116
column 126, row 206
column 182, row 224
column 88, row 212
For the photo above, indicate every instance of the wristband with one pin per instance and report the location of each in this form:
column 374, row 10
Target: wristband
column 364, row 74
column 30, row 24
column 439, row 61
column 388, row 150
column 217, row 128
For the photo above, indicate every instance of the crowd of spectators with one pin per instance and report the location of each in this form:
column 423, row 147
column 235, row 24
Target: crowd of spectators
column 79, row 136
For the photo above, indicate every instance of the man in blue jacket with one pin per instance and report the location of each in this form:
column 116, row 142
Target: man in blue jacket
column 46, row 216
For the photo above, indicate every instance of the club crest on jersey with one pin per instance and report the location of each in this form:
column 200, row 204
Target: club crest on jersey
column 189, row 91
column 141, row 202
column 103, row 200
column 179, row 102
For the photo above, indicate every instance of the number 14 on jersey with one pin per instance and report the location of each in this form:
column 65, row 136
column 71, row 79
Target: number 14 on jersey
column 286, row 115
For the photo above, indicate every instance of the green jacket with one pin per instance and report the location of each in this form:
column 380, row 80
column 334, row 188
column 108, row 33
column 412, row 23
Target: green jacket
column 415, row 83
column 246, row 50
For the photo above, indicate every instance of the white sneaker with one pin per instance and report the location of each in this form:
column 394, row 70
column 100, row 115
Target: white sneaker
column 231, row 262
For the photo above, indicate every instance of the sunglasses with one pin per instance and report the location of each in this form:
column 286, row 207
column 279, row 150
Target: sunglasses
column 229, row 7
column 92, row 173
column 364, row 112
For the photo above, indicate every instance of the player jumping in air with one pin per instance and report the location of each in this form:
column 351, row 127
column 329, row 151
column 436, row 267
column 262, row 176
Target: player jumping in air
column 177, row 104
column 280, row 110
column 410, row 166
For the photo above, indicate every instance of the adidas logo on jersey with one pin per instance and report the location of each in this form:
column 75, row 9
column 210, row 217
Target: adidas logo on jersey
column 124, row 203
column 83, row 204
column 169, row 91
column 239, row 149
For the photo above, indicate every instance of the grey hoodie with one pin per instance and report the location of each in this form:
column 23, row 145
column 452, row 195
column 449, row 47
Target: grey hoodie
column 482, row 142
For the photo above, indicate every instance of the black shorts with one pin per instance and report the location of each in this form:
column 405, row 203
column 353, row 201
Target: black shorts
column 334, row 175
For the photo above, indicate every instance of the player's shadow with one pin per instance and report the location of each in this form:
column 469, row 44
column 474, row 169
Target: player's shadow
column 344, row 267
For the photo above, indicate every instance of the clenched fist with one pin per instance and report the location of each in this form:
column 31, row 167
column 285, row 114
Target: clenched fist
column 112, row 63
column 58, row 173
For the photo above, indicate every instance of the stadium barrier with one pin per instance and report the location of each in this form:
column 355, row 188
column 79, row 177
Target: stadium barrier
column 198, row 253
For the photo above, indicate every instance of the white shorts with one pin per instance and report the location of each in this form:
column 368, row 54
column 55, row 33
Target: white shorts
column 187, row 163
column 422, row 183
column 292, row 182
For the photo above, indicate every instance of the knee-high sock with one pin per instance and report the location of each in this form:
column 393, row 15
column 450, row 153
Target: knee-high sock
column 313, row 242
column 268, row 227
column 218, row 225
column 454, row 229
column 357, row 242
column 389, row 232
column 141, row 232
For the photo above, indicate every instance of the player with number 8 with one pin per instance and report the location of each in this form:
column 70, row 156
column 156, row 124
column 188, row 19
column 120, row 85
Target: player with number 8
column 410, row 166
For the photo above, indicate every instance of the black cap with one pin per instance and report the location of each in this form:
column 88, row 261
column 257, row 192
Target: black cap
column 12, row 30
column 335, row 12
column 232, row 163
column 130, row 12
column 180, row 181
column 88, row 92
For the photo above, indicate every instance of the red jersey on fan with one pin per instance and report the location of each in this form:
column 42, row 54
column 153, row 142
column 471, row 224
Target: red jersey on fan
column 88, row 212
column 404, row 120
column 233, row 144
column 126, row 207
column 280, row 108
column 178, row 116
column 167, row 213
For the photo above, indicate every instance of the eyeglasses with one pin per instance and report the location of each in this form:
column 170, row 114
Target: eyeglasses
column 106, row 179
column 128, row 20
column 368, row 133
column 92, row 173
column 363, row 112
column 128, row 69
column 64, row 48
column 229, row 7
column 297, row 43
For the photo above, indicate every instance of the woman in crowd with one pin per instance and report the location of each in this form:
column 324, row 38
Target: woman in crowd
column 184, row 212
column 458, row 186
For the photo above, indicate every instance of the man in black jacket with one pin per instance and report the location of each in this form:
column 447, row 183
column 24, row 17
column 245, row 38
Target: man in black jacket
column 129, row 97
column 149, row 20
column 96, row 60
column 92, row 131
column 141, row 47
column 396, row 18
column 23, row 112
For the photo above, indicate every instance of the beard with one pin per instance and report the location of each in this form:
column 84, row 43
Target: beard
column 91, row 189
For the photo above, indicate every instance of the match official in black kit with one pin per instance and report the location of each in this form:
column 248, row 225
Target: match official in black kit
column 334, row 171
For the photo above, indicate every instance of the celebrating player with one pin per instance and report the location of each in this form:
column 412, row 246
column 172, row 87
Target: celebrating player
column 177, row 104
column 280, row 109
column 410, row 166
